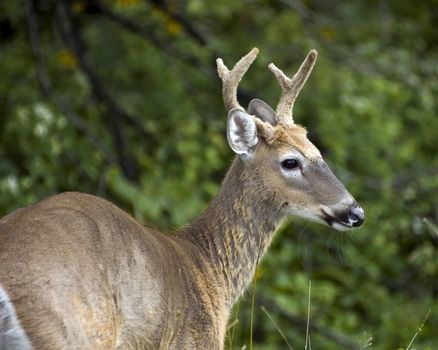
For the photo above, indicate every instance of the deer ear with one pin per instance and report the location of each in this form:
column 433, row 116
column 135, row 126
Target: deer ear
column 262, row 111
column 241, row 132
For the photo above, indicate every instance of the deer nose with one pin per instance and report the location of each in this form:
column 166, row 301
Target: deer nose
column 356, row 215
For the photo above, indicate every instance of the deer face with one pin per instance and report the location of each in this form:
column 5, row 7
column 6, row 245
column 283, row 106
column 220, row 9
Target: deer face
column 288, row 168
column 291, row 171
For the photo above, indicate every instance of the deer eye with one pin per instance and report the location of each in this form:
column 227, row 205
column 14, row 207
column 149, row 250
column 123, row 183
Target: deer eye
column 290, row 163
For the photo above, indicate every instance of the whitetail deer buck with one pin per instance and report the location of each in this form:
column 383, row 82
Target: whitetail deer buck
column 79, row 273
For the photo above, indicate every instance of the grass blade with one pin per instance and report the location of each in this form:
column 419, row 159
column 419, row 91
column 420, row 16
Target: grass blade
column 308, row 320
column 277, row 327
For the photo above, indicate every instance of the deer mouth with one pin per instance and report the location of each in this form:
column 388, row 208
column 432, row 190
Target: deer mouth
column 334, row 222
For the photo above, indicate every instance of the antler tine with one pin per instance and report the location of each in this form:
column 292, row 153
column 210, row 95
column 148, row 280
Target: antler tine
column 292, row 87
column 231, row 79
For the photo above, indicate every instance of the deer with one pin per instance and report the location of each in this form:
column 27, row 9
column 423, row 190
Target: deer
column 77, row 272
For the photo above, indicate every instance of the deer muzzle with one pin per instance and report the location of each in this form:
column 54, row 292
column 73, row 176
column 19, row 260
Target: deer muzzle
column 352, row 216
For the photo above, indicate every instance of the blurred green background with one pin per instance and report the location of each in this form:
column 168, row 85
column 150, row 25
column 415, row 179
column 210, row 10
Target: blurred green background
column 121, row 99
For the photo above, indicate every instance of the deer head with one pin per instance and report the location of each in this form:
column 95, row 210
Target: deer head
column 290, row 169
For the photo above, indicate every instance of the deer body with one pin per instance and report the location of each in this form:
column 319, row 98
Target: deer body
column 76, row 272
column 137, row 285
column 107, row 283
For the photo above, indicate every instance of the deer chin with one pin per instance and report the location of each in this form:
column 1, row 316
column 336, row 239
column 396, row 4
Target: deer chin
column 339, row 226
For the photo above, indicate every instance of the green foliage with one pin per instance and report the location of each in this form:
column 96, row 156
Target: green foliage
column 370, row 106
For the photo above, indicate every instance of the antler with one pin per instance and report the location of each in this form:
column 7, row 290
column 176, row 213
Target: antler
column 291, row 87
column 231, row 79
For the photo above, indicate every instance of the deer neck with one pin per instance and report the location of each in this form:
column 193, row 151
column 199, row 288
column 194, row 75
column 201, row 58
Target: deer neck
column 236, row 229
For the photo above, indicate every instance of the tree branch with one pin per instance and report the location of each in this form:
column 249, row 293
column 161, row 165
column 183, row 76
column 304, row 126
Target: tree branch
column 115, row 116
column 147, row 32
column 183, row 21
column 47, row 90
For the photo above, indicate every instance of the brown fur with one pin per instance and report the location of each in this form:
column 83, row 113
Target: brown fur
column 82, row 274
column 89, row 276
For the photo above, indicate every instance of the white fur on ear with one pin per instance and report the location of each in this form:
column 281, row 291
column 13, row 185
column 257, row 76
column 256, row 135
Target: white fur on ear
column 241, row 132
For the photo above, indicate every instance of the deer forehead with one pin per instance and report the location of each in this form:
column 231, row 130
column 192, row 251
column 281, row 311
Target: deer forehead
column 294, row 138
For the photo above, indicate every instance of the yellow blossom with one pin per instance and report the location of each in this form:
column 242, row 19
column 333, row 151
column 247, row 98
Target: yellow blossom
column 66, row 59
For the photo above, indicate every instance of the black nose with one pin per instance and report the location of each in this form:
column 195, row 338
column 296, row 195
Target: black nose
column 356, row 215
